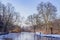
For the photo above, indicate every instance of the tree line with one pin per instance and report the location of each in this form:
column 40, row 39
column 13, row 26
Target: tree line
column 45, row 18
column 8, row 17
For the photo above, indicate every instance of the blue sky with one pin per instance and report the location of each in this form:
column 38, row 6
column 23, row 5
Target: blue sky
column 28, row 7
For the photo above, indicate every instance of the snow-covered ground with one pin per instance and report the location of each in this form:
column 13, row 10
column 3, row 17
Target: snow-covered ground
column 48, row 35
column 40, row 34
column 27, row 36
column 53, row 35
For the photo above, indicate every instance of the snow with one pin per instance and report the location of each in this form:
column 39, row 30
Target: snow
column 27, row 35
column 47, row 35
column 38, row 33
column 53, row 35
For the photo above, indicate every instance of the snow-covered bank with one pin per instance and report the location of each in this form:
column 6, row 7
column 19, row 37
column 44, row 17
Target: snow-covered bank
column 40, row 34
column 52, row 35
column 47, row 35
column 28, row 36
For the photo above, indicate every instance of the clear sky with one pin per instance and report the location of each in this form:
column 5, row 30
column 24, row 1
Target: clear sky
column 28, row 7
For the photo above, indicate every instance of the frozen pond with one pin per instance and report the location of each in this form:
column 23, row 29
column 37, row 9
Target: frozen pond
column 26, row 36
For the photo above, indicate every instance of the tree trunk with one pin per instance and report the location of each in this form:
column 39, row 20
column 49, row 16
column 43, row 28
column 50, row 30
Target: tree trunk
column 51, row 30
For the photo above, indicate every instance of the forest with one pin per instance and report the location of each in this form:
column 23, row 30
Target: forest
column 45, row 20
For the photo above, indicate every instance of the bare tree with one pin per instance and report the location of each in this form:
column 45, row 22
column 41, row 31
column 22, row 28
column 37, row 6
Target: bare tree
column 34, row 21
column 8, row 16
column 47, row 12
